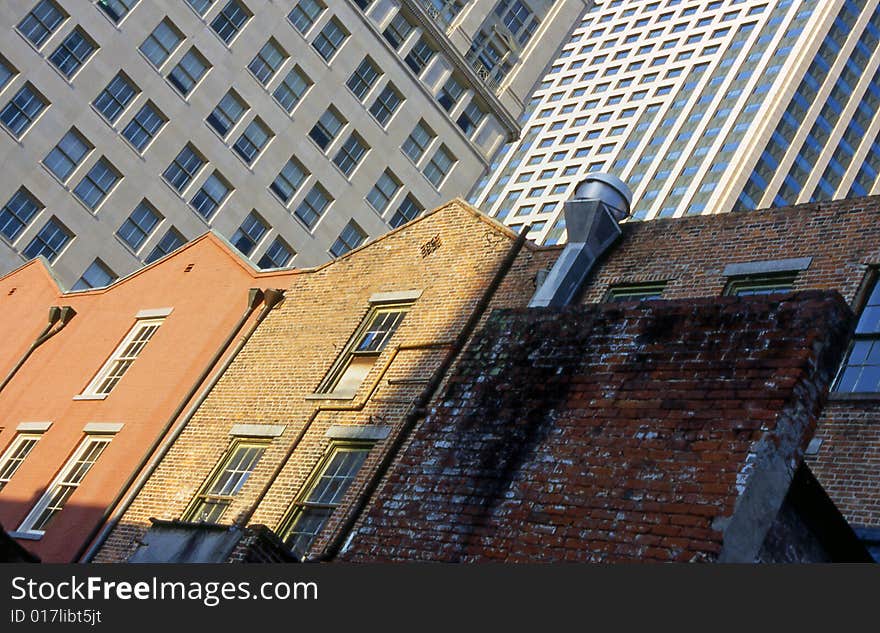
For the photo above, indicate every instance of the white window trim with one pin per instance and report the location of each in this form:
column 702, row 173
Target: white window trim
column 91, row 391
column 24, row 529
column 20, row 437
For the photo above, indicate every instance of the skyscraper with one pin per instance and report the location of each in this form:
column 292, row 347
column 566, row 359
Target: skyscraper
column 295, row 129
column 700, row 107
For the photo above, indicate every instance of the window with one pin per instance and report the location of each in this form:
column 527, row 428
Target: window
column 138, row 226
column 249, row 233
column 15, row 454
column 408, row 210
column 450, row 93
column 230, row 20
column 252, row 141
column 97, row 183
column 383, row 191
column 313, row 206
column 327, row 127
column 289, row 180
column 267, row 62
column 200, row 6
column 362, row 350
column 860, row 372
column 417, row 142
column 419, row 56
column 67, row 154
column 210, row 195
column 363, row 78
column 322, row 495
column 115, row 97
column 183, row 168
column 748, row 285
column 6, row 72
column 471, row 117
column 18, row 213
column 161, row 43
column 41, row 22
column 304, row 14
column 116, row 9
column 168, row 244
column 330, row 39
column 349, row 239
column 518, row 18
column 50, row 241
column 397, row 31
column 227, row 113
column 123, row 357
column 226, row 481
column 65, row 484
column 18, row 115
column 291, row 89
column 350, row 154
column 635, row 292
column 188, row 71
column 73, row 52
column 439, row 165
column 97, row 275
column 144, row 126
column 277, row 255
column 386, row 104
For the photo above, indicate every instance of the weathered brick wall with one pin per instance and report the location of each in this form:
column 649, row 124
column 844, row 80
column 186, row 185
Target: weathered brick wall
column 293, row 349
column 608, row 433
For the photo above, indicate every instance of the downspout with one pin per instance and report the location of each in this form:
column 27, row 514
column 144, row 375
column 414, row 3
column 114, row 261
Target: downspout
column 418, row 410
column 162, row 444
column 60, row 315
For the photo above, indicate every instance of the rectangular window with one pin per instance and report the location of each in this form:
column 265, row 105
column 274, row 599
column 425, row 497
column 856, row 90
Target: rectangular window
column 419, row 56
column 277, row 255
column 15, row 454
column 18, row 213
column 249, row 233
column 417, row 142
column 450, row 93
column 635, row 292
column 211, row 195
column 327, row 127
column 200, row 6
column 313, row 206
column 6, row 72
column 116, row 9
column 73, row 52
column 139, row 225
column 322, row 495
column 97, row 275
column 252, row 141
column 386, row 104
column 230, row 20
column 364, row 348
column 860, row 372
column 184, row 168
column 350, row 154
column 97, row 183
column 41, row 22
column 363, row 78
column 349, row 239
column 397, row 31
column 168, row 244
column 227, row 480
column 161, row 43
column 19, row 114
column 67, row 154
column 748, row 285
column 50, row 241
column 304, row 14
column 291, row 89
column 144, row 126
column 471, row 117
column 289, row 180
column 408, row 210
column 383, row 191
column 123, row 357
column 439, row 165
column 267, row 61
column 227, row 113
column 65, row 484
column 115, row 97
column 189, row 70
column 330, row 39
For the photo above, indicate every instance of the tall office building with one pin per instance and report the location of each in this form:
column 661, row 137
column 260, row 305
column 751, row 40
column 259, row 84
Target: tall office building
column 296, row 129
column 701, row 107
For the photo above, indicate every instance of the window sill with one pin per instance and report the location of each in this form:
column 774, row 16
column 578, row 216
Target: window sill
column 337, row 395
column 87, row 396
column 836, row 396
column 27, row 536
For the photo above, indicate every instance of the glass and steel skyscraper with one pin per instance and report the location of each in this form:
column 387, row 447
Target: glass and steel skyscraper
column 701, row 107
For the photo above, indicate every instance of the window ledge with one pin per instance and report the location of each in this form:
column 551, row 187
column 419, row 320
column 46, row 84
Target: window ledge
column 87, row 396
column 836, row 396
column 27, row 536
column 336, row 395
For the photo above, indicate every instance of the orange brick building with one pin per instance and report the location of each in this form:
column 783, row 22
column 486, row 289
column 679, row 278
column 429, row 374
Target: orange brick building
column 88, row 395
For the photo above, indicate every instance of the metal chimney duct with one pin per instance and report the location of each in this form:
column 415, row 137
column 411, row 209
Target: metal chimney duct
column 592, row 218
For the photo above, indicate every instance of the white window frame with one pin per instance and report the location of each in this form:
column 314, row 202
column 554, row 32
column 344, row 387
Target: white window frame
column 11, row 450
column 98, row 387
column 62, row 479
